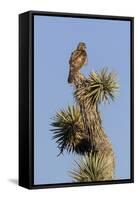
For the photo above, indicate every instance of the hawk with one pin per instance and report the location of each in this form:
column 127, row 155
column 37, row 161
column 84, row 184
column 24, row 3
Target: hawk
column 78, row 58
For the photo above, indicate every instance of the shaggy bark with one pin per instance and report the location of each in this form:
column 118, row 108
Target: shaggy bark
column 99, row 142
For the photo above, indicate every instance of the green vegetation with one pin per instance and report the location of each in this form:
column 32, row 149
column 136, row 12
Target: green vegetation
column 78, row 128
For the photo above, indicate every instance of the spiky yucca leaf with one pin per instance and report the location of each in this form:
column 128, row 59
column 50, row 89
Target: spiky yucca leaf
column 68, row 131
column 94, row 167
column 98, row 87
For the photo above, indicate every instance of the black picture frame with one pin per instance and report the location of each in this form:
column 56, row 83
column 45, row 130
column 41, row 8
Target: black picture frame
column 26, row 98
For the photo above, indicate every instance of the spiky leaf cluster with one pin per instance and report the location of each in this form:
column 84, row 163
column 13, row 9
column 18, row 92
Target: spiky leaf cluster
column 68, row 131
column 94, row 167
column 98, row 87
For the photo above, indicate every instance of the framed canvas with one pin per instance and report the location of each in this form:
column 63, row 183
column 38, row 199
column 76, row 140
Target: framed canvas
column 75, row 99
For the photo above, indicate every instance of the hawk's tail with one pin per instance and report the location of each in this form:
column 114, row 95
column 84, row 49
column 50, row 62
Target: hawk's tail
column 70, row 77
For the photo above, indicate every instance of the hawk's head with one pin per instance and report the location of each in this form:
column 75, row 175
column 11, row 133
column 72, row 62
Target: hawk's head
column 81, row 46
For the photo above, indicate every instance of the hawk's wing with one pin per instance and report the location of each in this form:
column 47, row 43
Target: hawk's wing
column 75, row 54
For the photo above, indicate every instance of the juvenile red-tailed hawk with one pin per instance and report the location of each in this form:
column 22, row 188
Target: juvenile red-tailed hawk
column 78, row 58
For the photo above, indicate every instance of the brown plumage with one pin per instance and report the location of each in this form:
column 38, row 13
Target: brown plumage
column 77, row 60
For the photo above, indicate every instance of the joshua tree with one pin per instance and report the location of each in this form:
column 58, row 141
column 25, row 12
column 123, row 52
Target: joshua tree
column 78, row 128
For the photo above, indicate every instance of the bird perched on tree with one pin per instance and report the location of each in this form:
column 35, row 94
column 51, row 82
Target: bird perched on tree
column 78, row 58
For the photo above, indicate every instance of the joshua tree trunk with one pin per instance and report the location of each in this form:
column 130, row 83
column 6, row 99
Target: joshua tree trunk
column 93, row 129
column 79, row 128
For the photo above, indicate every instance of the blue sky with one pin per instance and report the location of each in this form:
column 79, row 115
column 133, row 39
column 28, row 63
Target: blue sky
column 108, row 45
